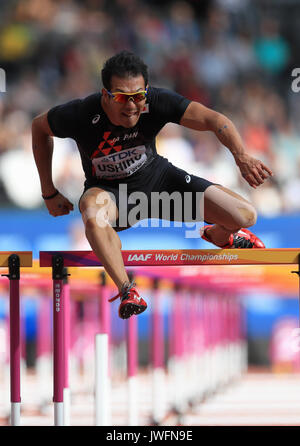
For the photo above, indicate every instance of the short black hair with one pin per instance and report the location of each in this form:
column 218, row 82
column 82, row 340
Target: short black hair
column 123, row 64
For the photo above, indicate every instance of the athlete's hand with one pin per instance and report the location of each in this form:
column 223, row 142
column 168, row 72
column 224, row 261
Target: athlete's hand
column 59, row 205
column 255, row 172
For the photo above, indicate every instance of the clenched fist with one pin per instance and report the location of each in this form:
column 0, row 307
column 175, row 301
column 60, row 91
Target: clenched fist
column 59, row 205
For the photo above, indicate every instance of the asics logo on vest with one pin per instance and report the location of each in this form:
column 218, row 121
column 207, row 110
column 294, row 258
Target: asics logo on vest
column 95, row 119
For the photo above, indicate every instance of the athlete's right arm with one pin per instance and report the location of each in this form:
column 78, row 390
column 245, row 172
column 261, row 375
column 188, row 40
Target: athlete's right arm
column 42, row 146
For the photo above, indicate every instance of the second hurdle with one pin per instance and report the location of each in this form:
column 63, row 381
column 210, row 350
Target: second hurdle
column 60, row 260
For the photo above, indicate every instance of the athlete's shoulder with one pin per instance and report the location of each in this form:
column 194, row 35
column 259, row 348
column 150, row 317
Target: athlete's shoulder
column 70, row 118
column 166, row 103
column 91, row 103
column 161, row 95
column 78, row 106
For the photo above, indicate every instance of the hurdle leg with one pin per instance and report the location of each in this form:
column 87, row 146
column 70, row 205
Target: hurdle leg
column 179, row 384
column 44, row 344
column 131, row 371
column 58, row 340
column 15, row 350
column 101, row 380
column 158, row 378
column 66, row 311
column 102, row 373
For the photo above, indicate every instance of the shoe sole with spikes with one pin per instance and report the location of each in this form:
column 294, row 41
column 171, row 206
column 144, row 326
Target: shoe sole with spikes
column 128, row 309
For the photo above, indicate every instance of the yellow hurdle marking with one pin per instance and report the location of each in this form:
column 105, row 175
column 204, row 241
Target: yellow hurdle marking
column 25, row 258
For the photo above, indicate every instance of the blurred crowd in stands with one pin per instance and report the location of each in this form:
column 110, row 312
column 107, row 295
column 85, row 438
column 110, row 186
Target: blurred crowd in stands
column 235, row 56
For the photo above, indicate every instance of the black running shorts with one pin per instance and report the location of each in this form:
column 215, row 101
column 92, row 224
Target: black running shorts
column 159, row 191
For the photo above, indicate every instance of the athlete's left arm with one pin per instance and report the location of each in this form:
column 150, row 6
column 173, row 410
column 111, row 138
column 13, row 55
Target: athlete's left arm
column 199, row 117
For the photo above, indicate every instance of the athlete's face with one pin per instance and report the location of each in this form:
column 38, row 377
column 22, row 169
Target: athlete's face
column 125, row 114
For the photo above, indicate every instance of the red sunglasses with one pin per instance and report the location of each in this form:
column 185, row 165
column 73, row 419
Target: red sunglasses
column 122, row 98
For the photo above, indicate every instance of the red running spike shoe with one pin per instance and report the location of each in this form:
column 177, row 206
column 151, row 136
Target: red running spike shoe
column 241, row 240
column 131, row 302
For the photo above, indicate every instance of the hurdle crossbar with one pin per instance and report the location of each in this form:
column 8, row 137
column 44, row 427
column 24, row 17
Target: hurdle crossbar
column 25, row 258
column 14, row 261
column 180, row 257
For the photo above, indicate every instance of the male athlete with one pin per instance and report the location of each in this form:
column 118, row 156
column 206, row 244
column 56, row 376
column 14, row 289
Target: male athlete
column 115, row 133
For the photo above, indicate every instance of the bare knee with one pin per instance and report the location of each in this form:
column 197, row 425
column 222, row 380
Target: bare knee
column 97, row 209
column 228, row 209
column 100, row 228
column 247, row 214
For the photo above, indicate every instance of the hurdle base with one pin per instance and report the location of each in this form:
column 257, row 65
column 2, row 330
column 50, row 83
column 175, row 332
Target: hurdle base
column 132, row 401
column 15, row 414
column 67, row 406
column 102, row 380
column 158, row 395
column 59, row 414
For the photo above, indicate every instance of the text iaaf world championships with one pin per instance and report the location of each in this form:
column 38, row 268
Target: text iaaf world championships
column 183, row 256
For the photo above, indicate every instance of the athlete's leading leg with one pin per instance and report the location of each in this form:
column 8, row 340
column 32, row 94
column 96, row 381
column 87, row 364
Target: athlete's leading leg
column 97, row 214
column 229, row 212
column 99, row 211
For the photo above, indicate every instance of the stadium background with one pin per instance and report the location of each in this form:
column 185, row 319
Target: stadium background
column 235, row 56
